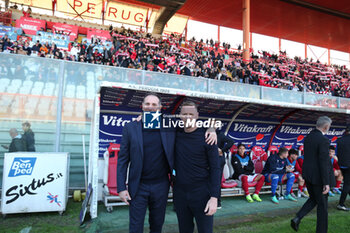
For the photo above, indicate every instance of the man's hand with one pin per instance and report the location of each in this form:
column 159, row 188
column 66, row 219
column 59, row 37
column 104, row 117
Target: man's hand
column 139, row 118
column 211, row 206
column 325, row 189
column 220, row 152
column 210, row 137
column 124, row 195
column 289, row 169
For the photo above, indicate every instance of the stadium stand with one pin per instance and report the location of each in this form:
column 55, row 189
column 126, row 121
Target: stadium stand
column 172, row 54
column 137, row 50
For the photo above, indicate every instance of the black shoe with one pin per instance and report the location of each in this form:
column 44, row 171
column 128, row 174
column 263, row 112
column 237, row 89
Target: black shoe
column 294, row 223
column 342, row 207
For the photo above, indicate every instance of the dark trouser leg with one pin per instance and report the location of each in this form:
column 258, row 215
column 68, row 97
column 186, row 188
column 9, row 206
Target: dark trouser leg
column 310, row 203
column 322, row 213
column 157, row 205
column 198, row 200
column 183, row 211
column 346, row 186
column 316, row 198
column 222, row 164
column 137, row 209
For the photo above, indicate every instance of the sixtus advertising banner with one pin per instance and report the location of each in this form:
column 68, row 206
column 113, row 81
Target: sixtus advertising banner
column 111, row 129
column 34, row 182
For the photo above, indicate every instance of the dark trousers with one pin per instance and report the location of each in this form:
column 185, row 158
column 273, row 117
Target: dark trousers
column 346, row 186
column 151, row 195
column 316, row 198
column 190, row 202
column 222, row 162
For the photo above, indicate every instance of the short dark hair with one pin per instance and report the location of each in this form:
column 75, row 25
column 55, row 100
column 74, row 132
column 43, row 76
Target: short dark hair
column 239, row 145
column 153, row 94
column 293, row 151
column 26, row 124
column 282, row 150
column 331, row 147
column 189, row 103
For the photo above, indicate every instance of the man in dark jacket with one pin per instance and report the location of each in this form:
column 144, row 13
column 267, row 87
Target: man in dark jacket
column 28, row 136
column 318, row 175
column 343, row 154
column 196, row 186
column 224, row 145
column 17, row 143
column 244, row 171
column 150, row 154
column 277, row 170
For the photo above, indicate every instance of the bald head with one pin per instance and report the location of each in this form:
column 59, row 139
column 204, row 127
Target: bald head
column 13, row 132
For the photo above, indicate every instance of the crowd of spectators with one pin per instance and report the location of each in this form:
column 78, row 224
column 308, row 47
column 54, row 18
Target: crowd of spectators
column 207, row 59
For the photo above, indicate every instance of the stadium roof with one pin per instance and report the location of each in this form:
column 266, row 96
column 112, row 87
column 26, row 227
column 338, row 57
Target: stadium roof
column 323, row 23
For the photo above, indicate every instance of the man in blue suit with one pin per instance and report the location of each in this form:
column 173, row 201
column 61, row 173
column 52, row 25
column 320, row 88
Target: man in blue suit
column 150, row 153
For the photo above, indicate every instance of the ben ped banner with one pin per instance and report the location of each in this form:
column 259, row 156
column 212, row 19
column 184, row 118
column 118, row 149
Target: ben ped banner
column 111, row 129
column 251, row 134
column 34, row 182
column 293, row 135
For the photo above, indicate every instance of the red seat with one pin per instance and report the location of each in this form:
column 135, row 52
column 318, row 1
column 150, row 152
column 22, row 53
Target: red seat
column 258, row 156
column 227, row 183
column 112, row 168
column 233, row 150
column 272, row 150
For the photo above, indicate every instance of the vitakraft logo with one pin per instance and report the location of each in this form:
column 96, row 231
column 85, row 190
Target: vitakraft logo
column 151, row 120
column 22, row 166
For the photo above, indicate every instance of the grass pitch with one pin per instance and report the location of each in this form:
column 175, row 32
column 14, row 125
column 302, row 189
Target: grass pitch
column 236, row 216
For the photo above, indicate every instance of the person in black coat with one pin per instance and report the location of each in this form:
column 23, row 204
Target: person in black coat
column 318, row 175
column 343, row 154
column 28, row 136
column 224, row 145
column 17, row 143
column 150, row 153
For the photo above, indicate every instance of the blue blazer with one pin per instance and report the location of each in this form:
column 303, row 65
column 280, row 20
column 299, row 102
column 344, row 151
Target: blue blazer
column 131, row 152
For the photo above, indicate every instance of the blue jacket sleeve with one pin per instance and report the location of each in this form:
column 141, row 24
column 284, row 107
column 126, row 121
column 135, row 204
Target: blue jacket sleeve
column 123, row 160
column 214, row 170
column 225, row 142
column 273, row 167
